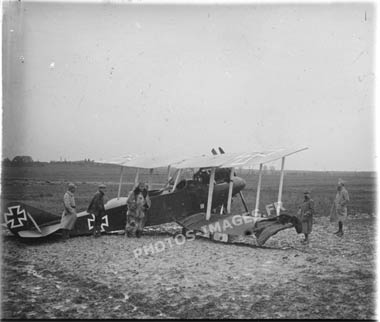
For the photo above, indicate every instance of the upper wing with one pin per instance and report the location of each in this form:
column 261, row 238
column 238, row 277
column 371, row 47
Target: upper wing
column 142, row 161
column 226, row 160
column 236, row 160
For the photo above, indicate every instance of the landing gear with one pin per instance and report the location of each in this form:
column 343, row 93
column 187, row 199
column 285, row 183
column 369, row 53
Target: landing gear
column 221, row 237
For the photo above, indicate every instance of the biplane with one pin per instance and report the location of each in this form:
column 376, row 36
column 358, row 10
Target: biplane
column 175, row 201
column 192, row 203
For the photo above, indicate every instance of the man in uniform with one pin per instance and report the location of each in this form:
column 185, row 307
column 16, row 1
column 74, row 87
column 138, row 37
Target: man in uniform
column 138, row 202
column 69, row 215
column 96, row 207
column 339, row 208
column 305, row 216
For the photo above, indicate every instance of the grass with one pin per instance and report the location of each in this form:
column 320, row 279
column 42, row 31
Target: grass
column 91, row 278
column 44, row 186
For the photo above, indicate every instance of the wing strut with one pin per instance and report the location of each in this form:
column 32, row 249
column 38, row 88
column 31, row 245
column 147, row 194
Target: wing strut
column 256, row 213
column 121, row 180
column 230, row 191
column 210, row 191
column 243, row 201
column 176, row 179
column 279, row 202
column 137, row 177
column 150, row 179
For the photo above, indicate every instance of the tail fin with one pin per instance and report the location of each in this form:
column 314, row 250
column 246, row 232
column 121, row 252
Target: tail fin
column 20, row 217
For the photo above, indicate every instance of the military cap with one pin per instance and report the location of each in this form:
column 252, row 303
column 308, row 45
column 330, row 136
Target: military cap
column 102, row 185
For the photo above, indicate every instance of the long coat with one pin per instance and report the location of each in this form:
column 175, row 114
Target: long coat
column 305, row 216
column 69, row 215
column 138, row 203
column 339, row 208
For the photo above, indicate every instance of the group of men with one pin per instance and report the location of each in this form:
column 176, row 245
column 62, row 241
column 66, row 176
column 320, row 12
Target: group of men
column 138, row 202
column 338, row 212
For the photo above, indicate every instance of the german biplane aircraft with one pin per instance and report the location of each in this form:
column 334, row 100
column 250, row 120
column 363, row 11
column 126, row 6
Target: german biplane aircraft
column 192, row 203
column 175, row 201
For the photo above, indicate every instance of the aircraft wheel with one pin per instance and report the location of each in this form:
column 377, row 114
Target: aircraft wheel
column 222, row 237
column 176, row 234
column 186, row 231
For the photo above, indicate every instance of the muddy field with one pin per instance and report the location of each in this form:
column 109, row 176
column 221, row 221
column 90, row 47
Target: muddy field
column 87, row 278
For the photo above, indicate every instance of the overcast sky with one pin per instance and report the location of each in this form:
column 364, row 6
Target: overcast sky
column 101, row 80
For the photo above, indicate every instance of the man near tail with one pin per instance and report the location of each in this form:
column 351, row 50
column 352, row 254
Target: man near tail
column 138, row 202
column 305, row 216
column 96, row 207
column 69, row 215
column 339, row 208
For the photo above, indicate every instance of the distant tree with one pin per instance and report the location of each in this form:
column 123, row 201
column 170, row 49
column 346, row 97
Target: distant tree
column 272, row 169
column 22, row 159
column 7, row 162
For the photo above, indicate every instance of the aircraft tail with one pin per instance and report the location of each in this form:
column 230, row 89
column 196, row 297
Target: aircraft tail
column 26, row 221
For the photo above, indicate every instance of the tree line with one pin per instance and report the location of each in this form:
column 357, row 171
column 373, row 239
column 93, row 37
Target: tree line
column 26, row 160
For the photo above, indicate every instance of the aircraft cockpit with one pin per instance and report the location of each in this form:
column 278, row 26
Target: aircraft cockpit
column 221, row 175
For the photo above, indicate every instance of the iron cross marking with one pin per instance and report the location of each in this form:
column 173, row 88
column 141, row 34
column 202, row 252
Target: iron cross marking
column 104, row 223
column 15, row 216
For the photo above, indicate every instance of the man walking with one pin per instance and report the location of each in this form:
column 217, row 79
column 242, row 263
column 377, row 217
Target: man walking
column 138, row 202
column 69, row 215
column 339, row 208
column 96, row 207
column 305, row 216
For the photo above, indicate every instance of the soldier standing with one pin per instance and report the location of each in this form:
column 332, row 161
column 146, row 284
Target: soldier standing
column 96, row 207
column 339, row 208
column 69, row 215
column 138, row 202
column 305, row 216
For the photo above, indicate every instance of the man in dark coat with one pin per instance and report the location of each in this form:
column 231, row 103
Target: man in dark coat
column 96, row 207
column 305, row 216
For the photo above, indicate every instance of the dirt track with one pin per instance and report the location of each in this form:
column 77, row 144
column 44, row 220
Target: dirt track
column 100, row 278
